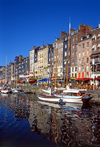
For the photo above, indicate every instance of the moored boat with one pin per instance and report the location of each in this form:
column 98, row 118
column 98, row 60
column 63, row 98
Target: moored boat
column 73, row 96
column 51, row 99
column 6, row 90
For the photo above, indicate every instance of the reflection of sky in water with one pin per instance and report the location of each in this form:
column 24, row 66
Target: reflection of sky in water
column 24, row 121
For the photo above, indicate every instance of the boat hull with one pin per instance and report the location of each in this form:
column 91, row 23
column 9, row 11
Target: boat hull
column 54, row 99
column 49, row 99
column 5, row 91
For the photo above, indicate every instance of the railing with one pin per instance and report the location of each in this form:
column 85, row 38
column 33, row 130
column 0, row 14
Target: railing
column 96, row 61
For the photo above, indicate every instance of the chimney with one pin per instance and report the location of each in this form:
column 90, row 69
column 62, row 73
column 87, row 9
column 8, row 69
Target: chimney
column 34, row 47
column 99, row 25
column 63, row 34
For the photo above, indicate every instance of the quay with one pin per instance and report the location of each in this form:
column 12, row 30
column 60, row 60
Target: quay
column 95, row 94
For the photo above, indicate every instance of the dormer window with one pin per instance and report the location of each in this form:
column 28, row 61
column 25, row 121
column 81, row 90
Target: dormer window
column 98, row 47
column 82, row 38
column 98, row 36
column 94, row 48
column 88, row 36
column 94, row 38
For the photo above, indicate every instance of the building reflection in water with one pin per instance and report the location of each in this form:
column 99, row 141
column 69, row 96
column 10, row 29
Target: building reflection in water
column 66, row 126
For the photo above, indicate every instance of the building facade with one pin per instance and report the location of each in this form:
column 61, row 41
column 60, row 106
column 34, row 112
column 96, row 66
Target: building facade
column 95, row 67
column 84, row 50
column 2, row 74
column 10, row 72
column 23, row 67
column 75, row 38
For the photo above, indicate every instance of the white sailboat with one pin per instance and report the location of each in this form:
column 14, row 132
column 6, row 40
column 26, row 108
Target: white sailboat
column 5, row 88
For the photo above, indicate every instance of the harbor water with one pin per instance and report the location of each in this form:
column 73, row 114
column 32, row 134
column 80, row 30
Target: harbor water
column 27, row 122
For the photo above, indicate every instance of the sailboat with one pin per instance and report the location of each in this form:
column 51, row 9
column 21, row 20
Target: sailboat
column 17, row 89
column 5, row 88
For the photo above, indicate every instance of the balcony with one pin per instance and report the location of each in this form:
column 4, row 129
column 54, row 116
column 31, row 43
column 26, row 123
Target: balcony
column 96, row 62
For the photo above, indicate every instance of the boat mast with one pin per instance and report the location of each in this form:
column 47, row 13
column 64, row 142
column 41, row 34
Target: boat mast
column 6, row 71
column 56, row 69
column 68, row 55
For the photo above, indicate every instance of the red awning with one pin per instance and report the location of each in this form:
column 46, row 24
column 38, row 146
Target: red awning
column 97, row 79
column 18, row 80
column 31, row 80
column 77, row 79
column 83, row 79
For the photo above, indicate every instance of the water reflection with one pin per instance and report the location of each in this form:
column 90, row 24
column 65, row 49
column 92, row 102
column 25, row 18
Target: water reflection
column 69, row 125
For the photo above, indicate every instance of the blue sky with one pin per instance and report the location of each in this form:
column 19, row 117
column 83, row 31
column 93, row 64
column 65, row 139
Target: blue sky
column 28, row 23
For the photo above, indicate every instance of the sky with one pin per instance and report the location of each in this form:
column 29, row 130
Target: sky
column 28, row 23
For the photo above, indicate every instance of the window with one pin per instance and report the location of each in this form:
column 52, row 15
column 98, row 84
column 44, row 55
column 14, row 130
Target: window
column 87, row 52
column 79, row 61
column 87, row 74
column 72, row 62
column 65, row 38
column 99, row 38
column 83, row 45
column 61, row 70
column 99, row 47
column 79, row 46
column 79, row 54
column 73, row 46
column 94, row 49
column 72, row 69
column 94, row 38
column 87, row 44
column 76, row 38
column 65, row 53
column 88, row 36
column 76, row 54
column 75, row 75
column 83, row 60
column 65, row 62
column 65, row 45
column 76, row 46
column 73, row 54
column 82, row 68
column 73, row 39
column 75, row 68
column 87, row 60
column 87, row 68
column 79, row 69
column 83, row 53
